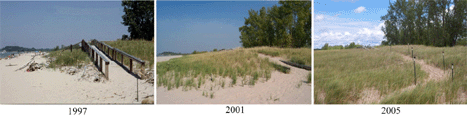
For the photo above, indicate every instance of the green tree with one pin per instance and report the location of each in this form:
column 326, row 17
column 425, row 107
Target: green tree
column 139, row 17
column 288, row 25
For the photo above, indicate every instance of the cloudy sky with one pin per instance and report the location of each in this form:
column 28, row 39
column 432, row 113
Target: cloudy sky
column 340, row 22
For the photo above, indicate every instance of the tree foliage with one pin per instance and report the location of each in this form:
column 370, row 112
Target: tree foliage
column 428, row 22
column 287, row 25
column 139, row 17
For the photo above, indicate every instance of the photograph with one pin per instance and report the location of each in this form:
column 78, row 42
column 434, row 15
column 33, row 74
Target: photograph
column 233, row 52
column 390, row 52
column 79, row 52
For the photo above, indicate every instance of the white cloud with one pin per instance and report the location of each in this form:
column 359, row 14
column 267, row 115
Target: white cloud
column 364, row 36
column 360, row 9
column 319, row 17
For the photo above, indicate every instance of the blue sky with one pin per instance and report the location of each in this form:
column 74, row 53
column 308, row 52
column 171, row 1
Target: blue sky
column 184, row 26
column 340, row 22
column 48, row 24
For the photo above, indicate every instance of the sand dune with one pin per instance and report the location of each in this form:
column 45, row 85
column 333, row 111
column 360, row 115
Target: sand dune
column 53, row 87
column 280, row 89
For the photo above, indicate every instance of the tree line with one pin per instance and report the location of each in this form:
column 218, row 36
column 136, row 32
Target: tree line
column 427, row 22
column 287, row 25
column 338, row 47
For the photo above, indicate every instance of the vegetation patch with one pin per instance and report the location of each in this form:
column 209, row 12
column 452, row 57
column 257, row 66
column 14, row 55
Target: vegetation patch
column 343, row 74
column 233, row 64
column 68, row 58
column 141, row 49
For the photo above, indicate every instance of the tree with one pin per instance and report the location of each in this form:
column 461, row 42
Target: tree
column 124, row 37
column 139, row 17
column 56, row 48
column 430, row 22
column 288, row 25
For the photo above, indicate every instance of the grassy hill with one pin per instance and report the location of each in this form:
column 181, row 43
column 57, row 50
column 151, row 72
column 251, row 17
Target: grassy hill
column 239, row 65
column 350, row 76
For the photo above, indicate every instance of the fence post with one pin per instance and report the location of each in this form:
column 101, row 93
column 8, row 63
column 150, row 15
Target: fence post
column 131, row 65
column 412, row 52
column 414, row 71
column 444, row 66
column 122, row 59
column 107, row 70
column 100, row 63
column 71, row 48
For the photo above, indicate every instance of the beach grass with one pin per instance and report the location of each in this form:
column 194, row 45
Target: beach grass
column 295, row 55
column 456, row 55
column 68, row 58
column 235, row 64
column 141, row 49
column 342, row 75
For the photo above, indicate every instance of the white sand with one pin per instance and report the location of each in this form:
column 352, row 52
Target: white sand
column 280, row 89
column 53, row 87
column 166, row 58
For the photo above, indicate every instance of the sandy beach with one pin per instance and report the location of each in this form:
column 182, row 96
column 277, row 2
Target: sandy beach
column 280, row 89
column 166, row 58
column 51, row 86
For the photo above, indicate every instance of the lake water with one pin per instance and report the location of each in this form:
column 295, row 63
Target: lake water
column 3, row 55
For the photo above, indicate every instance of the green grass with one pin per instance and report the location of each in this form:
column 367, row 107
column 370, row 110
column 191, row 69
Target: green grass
column 141, row 49
column 422, row 94
column 296, row 55
column 456, row 55
column 233, row 64
column 343, row 74
column 68, row 58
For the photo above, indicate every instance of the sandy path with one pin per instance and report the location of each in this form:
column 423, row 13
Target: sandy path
column 53, row 87
column 280, row 89
column 435, row 74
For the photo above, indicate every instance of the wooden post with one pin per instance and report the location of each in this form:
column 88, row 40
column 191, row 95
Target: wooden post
column 100, row 63
column 122, row 59
column 412, row 52
column 71, row 48
column 414, row 71
column 131, row 65
column 444, row 66
column 137, row 90
column 107, row 70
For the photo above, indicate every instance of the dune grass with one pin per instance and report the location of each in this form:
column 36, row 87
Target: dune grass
column 433, row 55
column 296, row 55
column 342, row 75
column 68, row 58
column 141, row 49
column 240, row 65
column 199, row 67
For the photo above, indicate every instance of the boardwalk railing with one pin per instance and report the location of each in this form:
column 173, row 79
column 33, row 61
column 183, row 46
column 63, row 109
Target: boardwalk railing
column 113, row 52
column 97, row 57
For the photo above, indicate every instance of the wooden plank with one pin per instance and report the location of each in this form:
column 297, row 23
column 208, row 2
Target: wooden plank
column 128, row 55
column 100, row 54
column 297, row 65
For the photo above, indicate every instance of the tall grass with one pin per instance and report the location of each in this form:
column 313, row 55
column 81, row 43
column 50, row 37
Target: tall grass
column 68, row 58
column 233, row 64
column 296, row 55
column 433, row 55
column 342, row 75
column 141, row 49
